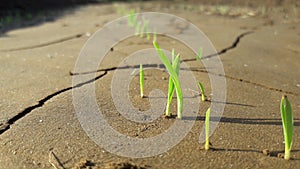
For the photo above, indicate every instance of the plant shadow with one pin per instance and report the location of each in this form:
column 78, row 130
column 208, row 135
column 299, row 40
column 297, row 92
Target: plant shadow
column 256, row 121
column 272, row 153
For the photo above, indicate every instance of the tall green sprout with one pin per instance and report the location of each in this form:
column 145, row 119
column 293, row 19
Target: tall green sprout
column 141, row 80
column 176, row 67
column 288, row 125
column 207, row 119
column 173, row 76
column 202, row 91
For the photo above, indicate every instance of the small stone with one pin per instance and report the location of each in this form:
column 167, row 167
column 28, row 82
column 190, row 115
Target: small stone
column 266, row 152
column 280, row 155
column 40, row 121
column 164, row 78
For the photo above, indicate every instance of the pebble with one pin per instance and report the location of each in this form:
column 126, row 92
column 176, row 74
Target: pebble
column 266, row 152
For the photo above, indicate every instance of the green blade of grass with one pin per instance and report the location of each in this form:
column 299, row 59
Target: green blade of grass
column 202, row 91
column 141, row 80
column 174, row 77
column 137, row 28
column 131, row 18
column 207, row 119
column 154, row 35
column 173, row 55
column 144, row 28
column 176, row 67
column 288, row 125
column 199, row 55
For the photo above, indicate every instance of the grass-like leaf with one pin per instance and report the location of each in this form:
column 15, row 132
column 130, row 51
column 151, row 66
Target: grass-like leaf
column 141, row 80
column 176, row 67
column 173, row 76
column 145, row 28
column 199, row 55
column 131, row 18
column 202, row 91
column 137, row 28
column 288, row 125
column 207, row 119
column 154, row 35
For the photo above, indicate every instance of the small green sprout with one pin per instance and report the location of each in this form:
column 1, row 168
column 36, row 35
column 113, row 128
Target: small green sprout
column 202, row 91
column 131, row 18
column 137, row 28
column 288, row 125
column 176, row 67
column 207, row 119
column 141, row 80
column 154, row 35
column 199, row 55
column 173, row 76
column 144, row 28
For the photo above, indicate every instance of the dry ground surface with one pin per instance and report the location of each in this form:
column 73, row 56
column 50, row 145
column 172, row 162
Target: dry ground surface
column 39, row 126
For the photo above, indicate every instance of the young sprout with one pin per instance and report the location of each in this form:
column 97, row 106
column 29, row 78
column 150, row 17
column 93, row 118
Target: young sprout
column 207, row 118
column 144, row 28
column 202, row 91
column 137, row 28
column 287, row 123
column 131, row 18
column 199, row 55
column 173, row 76
column 176, row 67
column 154, row 35
column 141, row 80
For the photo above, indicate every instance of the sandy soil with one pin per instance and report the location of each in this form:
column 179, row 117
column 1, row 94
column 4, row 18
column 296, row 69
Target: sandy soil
column 39, row 127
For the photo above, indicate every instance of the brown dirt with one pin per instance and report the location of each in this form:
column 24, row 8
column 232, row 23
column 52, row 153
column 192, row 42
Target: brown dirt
column 35, row 62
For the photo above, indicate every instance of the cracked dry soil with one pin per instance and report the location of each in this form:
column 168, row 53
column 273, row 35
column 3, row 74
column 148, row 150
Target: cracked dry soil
column 250, row 123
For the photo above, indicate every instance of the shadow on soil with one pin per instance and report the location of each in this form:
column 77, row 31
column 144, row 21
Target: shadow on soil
column 272, row 153
column 258, row 121
column 16, row 14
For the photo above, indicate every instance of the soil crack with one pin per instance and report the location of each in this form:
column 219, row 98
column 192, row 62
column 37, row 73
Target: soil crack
column 43, row 44
column 6, row 126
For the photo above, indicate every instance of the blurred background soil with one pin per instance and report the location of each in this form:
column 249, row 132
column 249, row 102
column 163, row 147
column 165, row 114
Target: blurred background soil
column 19, row 13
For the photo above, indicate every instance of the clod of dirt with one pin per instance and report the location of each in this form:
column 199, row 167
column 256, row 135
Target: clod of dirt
column 164, row 78
column 122, row 165
column 266, row 152
column 280, row 155
column 85, row 164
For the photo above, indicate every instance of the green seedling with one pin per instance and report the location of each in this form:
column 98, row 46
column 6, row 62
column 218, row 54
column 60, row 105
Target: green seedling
column 144, row 28
column 176, row 67
column 141, row 80
column 154, row 35
column 131, row 18
column 288, row 125
column 137, row 28
column 202, row 91
column 173, row 76
column 199, row 55
column 207, row 119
